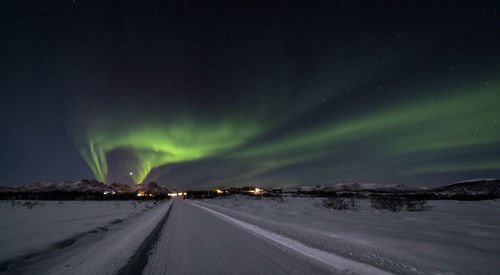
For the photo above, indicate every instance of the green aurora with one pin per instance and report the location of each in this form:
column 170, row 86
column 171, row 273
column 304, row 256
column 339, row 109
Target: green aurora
column 416, row 132
column 202, row 95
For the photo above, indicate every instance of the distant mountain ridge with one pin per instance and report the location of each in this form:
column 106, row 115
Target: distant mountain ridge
column 357, row 187
column 88, row 186
column 475, row 187
column 472, row 187
column 77, row 186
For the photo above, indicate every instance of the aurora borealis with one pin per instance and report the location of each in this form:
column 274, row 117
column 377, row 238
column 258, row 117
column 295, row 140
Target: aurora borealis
column 198, row 95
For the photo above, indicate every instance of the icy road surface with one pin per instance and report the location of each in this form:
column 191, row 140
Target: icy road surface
column 198, row 240
column 247, row 235
column 455, row 237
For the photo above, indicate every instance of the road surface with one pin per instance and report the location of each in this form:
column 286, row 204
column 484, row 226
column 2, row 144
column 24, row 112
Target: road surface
column 194, row 241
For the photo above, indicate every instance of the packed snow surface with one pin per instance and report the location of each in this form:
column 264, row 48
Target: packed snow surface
column 84, row 237
column 336, row 263
column 455, row 237
column 246, row 235
column 24, row 229
column 195, row 241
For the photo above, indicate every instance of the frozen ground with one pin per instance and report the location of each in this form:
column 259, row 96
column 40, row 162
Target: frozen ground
column 78, row 236
column 454, row 237
column 197, row 240
column 242, row 235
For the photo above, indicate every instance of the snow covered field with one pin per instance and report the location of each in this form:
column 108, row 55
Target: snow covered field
column 60, row 235
column 460, row 237
column 243, row 235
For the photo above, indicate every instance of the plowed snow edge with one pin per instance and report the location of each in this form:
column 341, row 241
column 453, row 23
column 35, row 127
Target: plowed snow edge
column 334, row 261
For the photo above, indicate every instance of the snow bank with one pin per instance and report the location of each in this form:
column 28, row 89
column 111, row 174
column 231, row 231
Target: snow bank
column 111, row 253
column 117, row 229
column 454, row 237
column 24, row 230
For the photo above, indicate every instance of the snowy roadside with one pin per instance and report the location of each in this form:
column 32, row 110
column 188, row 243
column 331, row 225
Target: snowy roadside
column 338, row 263
column 452, row 238
column 103, row 253
column 27, row 227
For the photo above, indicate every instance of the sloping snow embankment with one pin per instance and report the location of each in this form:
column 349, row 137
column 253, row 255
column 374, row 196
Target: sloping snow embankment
column 109, row 254
column 30, row 230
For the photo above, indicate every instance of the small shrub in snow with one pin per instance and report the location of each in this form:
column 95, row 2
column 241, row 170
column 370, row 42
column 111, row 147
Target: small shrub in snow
column 396, row 203
column 278, row 199
column 339, row 203
column 392, row 203
column 416, row 205
column 31, row 204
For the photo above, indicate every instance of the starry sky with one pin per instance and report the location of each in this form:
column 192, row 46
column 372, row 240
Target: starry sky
column 201, row 94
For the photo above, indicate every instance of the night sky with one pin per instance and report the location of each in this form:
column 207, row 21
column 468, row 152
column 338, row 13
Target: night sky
column 208, row 94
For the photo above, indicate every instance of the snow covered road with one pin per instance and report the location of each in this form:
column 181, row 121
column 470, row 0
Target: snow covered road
column 245, row 235
column 455, row 237
column 198, row 240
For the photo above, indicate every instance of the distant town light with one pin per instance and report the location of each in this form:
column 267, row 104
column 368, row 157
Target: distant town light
column 257, row 191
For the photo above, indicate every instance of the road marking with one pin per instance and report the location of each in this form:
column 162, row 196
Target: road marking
column 337, row 262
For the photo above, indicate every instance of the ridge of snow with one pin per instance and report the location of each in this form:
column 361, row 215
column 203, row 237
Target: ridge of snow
column 329, row 259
